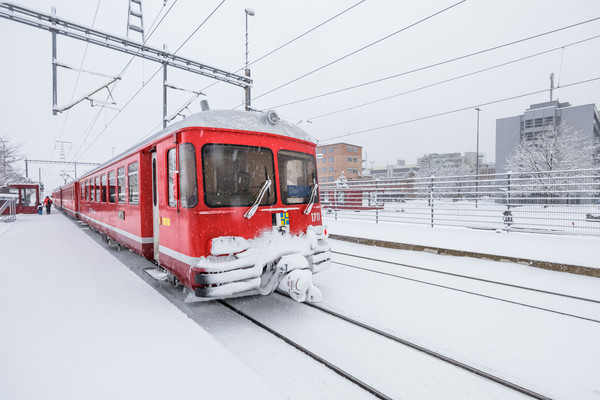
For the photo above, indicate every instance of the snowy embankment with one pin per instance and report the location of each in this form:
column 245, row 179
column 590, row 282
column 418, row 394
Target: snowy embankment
column 562, row 249
column 76, row 324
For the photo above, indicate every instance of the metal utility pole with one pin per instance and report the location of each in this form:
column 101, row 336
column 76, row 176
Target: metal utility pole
column 54, row 66
column 87, row 34
column 249, row 12
column 136, row 13
column 477, row 161
column 551, row 85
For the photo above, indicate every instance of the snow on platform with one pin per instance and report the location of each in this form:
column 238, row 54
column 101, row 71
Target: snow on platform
column 75, row 323
column 561, row 249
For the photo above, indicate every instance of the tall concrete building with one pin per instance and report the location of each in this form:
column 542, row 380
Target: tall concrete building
column 539, row 117
column 336, row 158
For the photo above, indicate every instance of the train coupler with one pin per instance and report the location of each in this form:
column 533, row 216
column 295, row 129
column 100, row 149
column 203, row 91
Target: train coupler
column 297, row 280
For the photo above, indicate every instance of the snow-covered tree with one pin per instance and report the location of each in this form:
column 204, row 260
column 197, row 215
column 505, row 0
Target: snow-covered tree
column 557, row 148
column 9, row 157
column 560, row 147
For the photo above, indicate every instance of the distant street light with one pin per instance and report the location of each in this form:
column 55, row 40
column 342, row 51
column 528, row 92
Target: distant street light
column 477, row 161
column 249, row 12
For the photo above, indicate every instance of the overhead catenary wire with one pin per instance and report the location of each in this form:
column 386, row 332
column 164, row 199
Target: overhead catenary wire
column 456, row 78
column 479, row 52
column 152, row 77
column 357, row 51
column 78, row 74
column 471, row 107
column 292, row 40
column 91, row 126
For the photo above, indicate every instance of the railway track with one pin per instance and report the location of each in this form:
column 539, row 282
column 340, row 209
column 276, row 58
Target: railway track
column 471, row 278
column 403, row 342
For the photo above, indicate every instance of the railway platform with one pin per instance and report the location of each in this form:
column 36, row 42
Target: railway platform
column 77, row 323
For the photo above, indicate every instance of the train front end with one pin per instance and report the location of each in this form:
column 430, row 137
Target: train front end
column 257, row 227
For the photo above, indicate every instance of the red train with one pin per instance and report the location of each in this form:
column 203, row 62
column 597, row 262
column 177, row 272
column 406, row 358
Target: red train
column 225, row 202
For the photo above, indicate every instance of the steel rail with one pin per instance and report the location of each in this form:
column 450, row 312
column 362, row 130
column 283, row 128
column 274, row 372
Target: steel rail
column 466, row 277
column 434, row 354
column 309, row 353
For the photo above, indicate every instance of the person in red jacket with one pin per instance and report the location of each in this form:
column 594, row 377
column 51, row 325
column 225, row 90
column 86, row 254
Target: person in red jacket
column 47, row 204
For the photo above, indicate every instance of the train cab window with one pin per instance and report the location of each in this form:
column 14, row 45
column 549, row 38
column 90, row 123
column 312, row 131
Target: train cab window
column 132, row 171
column 171, row 168
column 121, row 187
column 188, row 179
column 98, row 189
column 297, row 176
column 234, row 176
column 104, row 186
column 111, row 187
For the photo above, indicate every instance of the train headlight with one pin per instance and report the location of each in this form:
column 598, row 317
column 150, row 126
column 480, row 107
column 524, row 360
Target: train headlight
column 272, row 117
column 225, row 245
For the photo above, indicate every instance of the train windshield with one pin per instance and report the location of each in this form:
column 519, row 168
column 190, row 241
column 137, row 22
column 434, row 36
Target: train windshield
column 297, row 177
column 234, row 175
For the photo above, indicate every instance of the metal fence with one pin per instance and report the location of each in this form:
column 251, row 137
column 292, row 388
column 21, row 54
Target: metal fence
column 8, row 207
column 565, row 202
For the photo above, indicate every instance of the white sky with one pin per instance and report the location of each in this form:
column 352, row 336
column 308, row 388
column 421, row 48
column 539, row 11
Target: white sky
column 26, row 75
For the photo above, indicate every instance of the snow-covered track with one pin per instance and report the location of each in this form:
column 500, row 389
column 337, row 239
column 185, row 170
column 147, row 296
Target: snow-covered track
column 386, row 335
column 434, row 354
column 470, row 292
column 309, row 353
column 421, row 268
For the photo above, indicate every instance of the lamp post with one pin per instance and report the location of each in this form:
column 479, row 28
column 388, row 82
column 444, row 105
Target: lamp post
column 477, row 160
column 249, row 12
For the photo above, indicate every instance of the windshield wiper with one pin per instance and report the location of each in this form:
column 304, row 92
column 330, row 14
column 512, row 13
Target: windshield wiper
column 313, row 195
column 250, row 213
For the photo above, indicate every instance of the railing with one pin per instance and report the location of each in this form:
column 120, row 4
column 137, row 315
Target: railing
column 551, row 202
column 8, row 202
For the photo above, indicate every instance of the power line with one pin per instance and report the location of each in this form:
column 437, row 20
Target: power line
column 436, row 64
column 456, row 110
column 454, row 78
column 149, row 80
column 79, row 73
column 357, row 51
column 293, row 40
column 89, row 130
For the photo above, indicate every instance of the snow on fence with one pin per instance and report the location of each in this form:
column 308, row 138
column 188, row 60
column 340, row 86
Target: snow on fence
column 561, row 202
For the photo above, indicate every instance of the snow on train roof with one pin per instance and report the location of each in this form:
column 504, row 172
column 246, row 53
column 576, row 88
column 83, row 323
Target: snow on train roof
column 251, row 121
column 243, row 120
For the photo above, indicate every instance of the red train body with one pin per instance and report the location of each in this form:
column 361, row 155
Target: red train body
column 225, row 202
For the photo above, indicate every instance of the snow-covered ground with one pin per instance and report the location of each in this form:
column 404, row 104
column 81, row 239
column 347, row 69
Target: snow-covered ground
column 77, row 323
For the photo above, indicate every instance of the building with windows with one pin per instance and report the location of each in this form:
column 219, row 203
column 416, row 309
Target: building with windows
column 540, row 117
column 338, row 158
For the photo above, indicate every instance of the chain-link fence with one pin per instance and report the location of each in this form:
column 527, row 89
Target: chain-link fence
column 549, row 202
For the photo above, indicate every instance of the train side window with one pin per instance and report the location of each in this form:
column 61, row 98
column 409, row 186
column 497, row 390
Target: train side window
column 97, row 189
column 104, row 186
column 87, row 190
column 111, row 187
column 234, row 175
column 171, row 167
column 121, row 188
column 132, row 171
column 297, row 176
column 188, row 179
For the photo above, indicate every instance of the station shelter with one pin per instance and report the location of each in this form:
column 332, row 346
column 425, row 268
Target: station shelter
column 28, row 196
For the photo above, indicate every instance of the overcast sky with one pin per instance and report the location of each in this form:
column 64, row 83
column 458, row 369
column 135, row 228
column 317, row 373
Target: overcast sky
column 464, row 28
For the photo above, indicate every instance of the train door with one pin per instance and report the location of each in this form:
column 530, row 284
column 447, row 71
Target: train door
column 155, row 212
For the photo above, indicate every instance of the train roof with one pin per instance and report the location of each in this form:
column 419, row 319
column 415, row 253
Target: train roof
column 250, row 121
